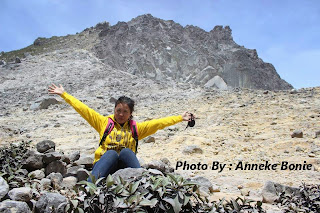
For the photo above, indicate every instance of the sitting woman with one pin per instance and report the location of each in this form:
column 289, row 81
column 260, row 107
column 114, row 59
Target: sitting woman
column 119, row 134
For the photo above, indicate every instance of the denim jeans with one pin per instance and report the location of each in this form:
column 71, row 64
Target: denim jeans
column 111, row 161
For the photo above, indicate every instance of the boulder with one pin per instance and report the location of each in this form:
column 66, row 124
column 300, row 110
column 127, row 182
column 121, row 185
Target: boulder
column 51, row 156
column 17, row 60
column 217, row 83
column 21, row 194
column 271, row 191
column 37, row 174
column 45, row 145
column 46, row 183
column 128, row 173
column 86, row 161
column 4, row 187
column 10, row 206
column 205, row 184
column 56, row 166
column 159, row 165
column 74, row 156
column 49, row 200
column 69, row 182
column 72, row 171
column 43, row 103
column 33, row 162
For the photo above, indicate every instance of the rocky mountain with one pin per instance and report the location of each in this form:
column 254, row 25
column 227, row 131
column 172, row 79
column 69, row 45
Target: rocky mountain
column 162, row 50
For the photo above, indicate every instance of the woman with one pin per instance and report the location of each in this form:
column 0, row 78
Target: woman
column 117, row 149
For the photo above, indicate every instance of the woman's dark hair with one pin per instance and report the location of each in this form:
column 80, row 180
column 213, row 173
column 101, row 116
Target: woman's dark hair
column 125, row 100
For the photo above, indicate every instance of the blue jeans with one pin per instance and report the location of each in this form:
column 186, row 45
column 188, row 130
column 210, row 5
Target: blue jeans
column 111, row 161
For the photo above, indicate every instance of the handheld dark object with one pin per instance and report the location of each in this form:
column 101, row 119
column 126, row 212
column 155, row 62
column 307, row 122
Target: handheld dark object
column 192, row 122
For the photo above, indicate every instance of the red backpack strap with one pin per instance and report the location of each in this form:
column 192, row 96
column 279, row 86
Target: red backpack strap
column 134, row 131
column 108, row 130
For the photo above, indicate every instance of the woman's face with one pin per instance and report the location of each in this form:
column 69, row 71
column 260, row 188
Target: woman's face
column 122, row 113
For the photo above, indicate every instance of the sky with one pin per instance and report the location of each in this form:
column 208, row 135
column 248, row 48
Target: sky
column 285, row 33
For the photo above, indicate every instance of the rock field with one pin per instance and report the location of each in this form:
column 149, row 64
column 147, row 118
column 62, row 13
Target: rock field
column 248, row 126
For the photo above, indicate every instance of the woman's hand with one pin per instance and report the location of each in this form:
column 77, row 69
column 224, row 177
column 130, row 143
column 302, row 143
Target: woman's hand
column 53, row 89
column 186, row 116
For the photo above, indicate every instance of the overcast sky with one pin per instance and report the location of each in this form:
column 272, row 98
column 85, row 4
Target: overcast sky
column 285, row 33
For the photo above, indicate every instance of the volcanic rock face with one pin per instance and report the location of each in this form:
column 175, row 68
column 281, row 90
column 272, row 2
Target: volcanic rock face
column 164, row 50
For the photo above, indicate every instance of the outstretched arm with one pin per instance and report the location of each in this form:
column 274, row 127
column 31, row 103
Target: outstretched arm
column 150, row 127
column 92, row 117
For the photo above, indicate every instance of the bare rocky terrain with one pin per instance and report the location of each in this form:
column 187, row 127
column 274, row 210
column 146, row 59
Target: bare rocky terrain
column 232, row 126
column 239, row 125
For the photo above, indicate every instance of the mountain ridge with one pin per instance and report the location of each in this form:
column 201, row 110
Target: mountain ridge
column 164, row 50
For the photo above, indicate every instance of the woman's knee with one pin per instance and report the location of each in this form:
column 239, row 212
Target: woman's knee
column 125, row 152
column 110, row 153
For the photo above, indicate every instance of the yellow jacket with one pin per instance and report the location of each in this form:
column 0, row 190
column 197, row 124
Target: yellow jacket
column 121, row 136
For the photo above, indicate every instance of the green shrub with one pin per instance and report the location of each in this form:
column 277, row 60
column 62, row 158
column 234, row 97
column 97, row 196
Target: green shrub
column 150, row 193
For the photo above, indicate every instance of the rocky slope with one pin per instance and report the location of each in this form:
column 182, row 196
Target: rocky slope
column 249, row 126
column 162, row 50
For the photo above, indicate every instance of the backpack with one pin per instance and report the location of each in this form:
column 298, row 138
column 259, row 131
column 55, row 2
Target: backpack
column 110, row 126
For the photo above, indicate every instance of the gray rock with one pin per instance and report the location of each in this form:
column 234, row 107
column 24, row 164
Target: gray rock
column 69, row 182
column 37, row 174
column 49, row 200
column 40, row 41
column 159, row 165
column 217, row 83
column 46, row 183
column 56, row 167
column 86, row 161
column 45, row 145
column 112, row 100
column 21, row 194
column 51, row 156
column 271, row 191
column 56, row 179
column 150, row 139
column 297, row 134
column 17, row 60
column 72, row 171
column 65, row 159
column 43, row 103
column 128, row 173
column 192, row 149
column 82, row 174
column 74, row 156
column 317, row 134
column 33, row 162
column 205, row 184
column 4, row 187
column 10, row 206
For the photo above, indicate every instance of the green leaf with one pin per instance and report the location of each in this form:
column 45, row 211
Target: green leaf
column 118, row 189
column 173, row 178
column 186, row 200
column 150, row 203
column 134, row 187
column 156, row 185
column 133, row 199
column 75, row 203
column 110, row 181
column 80, row 210
column 176, row 205
column 235, row 205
